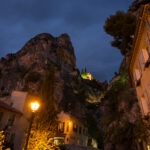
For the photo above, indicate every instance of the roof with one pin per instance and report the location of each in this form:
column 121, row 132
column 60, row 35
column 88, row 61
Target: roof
column 5, row 106
column 68, row 116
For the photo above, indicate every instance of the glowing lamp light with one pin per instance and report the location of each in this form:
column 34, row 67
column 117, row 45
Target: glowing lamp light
column 70, row 123
column 35, row 106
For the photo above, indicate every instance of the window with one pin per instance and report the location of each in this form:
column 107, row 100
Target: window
column 80, row 130
column 68, row 127
column 138, row 71
column 61, row 126
column 1, row 115
column 134, row 76
column 148, row 43
column 148, row 25
column 75, row 127
column 144, row 105
column 142, row 59
column 84, row 131
column 146, row 98
column 11, row 119
column 139, row 68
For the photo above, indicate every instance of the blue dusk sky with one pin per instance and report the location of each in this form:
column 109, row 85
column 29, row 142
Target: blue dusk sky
column 82, row 20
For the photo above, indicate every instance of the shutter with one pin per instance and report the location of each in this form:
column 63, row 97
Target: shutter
column 147, row 99
column 142, row 59
column 148, row 25
column 134, row 76
column 139, row 68
column 148, row 43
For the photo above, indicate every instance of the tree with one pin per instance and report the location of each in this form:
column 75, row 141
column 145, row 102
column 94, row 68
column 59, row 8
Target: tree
column 45, row 122
column 121, row 26
column 48, row 109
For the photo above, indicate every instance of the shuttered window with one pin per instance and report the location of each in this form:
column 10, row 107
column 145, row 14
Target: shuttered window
column 139, row 68
column 147, row 99
column 142, row 59
column 148, row 25
column 148, row 43
column 134, row 76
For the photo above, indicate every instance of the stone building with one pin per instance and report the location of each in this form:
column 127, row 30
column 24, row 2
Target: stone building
column 14, row 118
column 140, row 65
column 73, row 132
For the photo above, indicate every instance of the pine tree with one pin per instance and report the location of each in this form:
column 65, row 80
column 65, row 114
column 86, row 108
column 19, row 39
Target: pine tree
column 121, row 26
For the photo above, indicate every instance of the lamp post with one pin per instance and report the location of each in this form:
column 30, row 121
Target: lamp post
column 34, row 107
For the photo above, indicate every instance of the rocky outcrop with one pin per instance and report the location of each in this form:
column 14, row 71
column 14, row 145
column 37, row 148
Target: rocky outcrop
column 26, row 71
column 121, row 116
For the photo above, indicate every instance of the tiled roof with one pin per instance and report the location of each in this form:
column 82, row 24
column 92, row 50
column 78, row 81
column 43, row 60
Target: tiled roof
column 8, row 107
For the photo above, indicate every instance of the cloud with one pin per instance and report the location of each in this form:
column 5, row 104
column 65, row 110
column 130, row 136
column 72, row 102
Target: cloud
column 83, row 20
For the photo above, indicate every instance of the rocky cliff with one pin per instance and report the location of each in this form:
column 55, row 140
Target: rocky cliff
column 26, row 71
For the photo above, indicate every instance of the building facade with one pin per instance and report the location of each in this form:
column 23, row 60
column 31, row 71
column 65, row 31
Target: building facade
column 73, row 132
column 140, row 64
column 14, row 119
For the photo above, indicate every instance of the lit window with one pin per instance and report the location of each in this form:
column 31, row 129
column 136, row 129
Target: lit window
column 61, row 126
column 68, row 127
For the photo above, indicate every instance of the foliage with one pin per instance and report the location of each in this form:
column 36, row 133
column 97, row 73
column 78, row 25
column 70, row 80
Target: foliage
column 2, row 137
column 43, row 140
column 121, row 26
column 137, row 4
column 92, row 125
column 45, row 123
column 134, row 133
column 119, row 130
column 39, row 140
column 48, row 109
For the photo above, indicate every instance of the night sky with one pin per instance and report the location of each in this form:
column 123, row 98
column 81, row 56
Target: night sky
column 82, row 20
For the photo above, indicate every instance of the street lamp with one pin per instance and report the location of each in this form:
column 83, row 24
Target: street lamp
column 34, row 107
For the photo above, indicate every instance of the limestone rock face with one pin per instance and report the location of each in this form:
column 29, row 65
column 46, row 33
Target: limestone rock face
column 25, row 71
